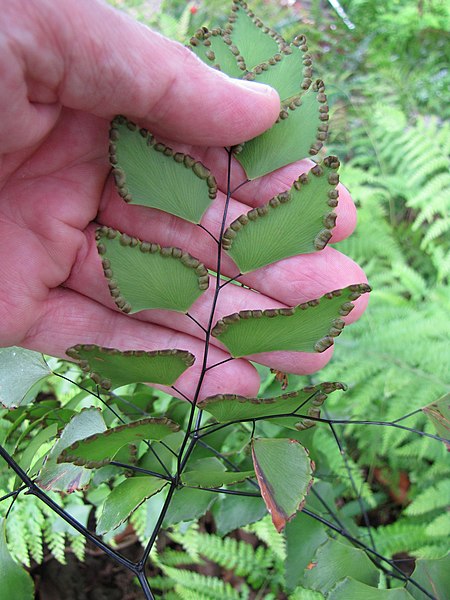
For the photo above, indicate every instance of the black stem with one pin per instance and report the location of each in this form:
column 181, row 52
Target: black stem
column 219, row 455
column 115, row 463
column 222, row 285
column 226, row 491
column 414, row 412
column 320, row 420
column 144, row 585
column 13, row 493
column 327, row 507
column 163, row 443
column 181, row 393
column 234, row 190
column 362, row 508
column 208, row 232
column 225, row 360
column 185, row 449
column 161, row 462
column 137, row 408
column 196, row 322
column 183, row 459
column 162, row 514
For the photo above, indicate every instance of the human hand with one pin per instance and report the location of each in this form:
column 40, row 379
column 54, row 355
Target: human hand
column 67, row 69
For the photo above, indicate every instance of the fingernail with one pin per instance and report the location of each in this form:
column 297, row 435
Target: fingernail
column 256, row 88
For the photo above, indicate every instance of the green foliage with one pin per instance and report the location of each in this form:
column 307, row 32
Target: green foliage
column 406, row 165
column 436, row 571
column 20, row 371
column 349, row 588
column 125, row 499
column 307, row 327
column 248, row 239
column 15, row 581
column 111, row 368
column 255, row 567
column 143, row 276
column 212, row 588
column 333, row 561
column 68, row 477
column 293, row 136
column 32, row 529
column 150, row 174
column 228, row 408
column 100, row 448
column 284, row 474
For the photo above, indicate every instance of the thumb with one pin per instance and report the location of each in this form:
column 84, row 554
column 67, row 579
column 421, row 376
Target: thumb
column 101, row 61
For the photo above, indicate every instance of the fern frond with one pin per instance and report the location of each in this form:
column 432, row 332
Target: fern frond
column 239, row 556
column 78, row 545
column 401, row 536
column 430, row 499
column 56, row 542
column 213, row 588
column 266, row 532
column 175, row 558
column 432, row 551
column 435, row 230
column 440, row 526
column 327, row 447
column 189, row 539
column 160, row 582
column 35, row 525
column 188, row 594
column 304, row 594
column 17, row 535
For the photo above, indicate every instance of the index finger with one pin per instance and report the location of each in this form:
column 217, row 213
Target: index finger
column 88, row 56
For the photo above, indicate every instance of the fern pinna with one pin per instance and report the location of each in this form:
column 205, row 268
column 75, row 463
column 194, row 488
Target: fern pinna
column 174, row 458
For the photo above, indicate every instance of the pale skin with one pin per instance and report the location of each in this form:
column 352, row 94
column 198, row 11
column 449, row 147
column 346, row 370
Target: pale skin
column 67, row 68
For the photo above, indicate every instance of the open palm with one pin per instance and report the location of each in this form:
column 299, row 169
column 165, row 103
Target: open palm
column 64, row 80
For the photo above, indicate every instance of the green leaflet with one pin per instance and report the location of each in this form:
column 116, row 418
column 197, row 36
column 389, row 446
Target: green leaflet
column 151, row 174
column 216, row 49
column 20, row 370
column 232, row 512
column 31, row 460
column 433, row 575
column 255, row 42
column 349, row 589
column 99, row 449
column 289, row 72
column 188, row 504
column 112, row 368
column 308, row 327
column 439, row 414
column 284, row 473
column 125, row 499
column 142, row 275
column 333, row 561
column 67, row 477
column 15, row 582
column 303, row 536
column 301, row 593
column 230, row 407
column 214, row 479
column 296, row 222
column 298, row 132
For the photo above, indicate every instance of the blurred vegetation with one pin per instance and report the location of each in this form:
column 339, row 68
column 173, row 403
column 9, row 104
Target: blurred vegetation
column 387, row 72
